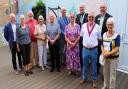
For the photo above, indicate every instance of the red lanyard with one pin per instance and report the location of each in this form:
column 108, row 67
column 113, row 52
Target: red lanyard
column 92, row 27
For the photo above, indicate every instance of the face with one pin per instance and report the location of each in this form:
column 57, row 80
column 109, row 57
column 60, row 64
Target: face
column 110, row 26
column 52, row 18
column 22, row 20
column 40, row 21
column 72, row 17
column 63, row 12
column 90, row 18
column 12, row 19
column 30, row 15
column 81, row 9
column 103, row 9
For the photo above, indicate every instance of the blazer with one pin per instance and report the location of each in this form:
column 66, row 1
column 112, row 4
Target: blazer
column 104, row 28
column 85, row 19
column 8, row 34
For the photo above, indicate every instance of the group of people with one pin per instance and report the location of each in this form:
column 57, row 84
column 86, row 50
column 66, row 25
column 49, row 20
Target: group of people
column 76, row 41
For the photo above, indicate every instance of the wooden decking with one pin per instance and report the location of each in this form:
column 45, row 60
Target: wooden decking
column 45, row 79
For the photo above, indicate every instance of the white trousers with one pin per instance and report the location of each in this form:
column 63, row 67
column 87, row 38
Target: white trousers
column 42, row 51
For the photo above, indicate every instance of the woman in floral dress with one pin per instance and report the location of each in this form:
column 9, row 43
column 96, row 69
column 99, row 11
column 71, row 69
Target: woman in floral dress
column 72, row 36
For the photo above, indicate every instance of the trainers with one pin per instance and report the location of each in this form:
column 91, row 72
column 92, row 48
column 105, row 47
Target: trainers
column 16, row 72
column 42, row 68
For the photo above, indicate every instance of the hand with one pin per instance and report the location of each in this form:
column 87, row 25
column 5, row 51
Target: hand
column 52, row 42
column 106, row 54
column 72, row 45
column 18, row 49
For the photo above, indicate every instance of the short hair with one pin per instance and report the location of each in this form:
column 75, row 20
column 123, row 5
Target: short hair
column 22, row 16
column 12, row 14
column 110, row 21
column 41, row 17
column 91, row 13
column 30, row 12
column 63, row 8
column 82, row 5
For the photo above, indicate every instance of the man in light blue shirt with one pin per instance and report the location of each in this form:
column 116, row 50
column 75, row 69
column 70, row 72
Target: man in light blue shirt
column 63, row 21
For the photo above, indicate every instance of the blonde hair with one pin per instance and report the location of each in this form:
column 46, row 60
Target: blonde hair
column 110, row 21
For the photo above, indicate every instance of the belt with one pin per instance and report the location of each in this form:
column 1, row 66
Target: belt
column 91, row 48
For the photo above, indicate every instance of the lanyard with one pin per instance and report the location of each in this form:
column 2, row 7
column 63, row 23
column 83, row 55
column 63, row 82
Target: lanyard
column 82, row 18
column 92, row 27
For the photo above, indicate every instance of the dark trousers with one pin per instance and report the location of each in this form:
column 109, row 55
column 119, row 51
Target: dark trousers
column 13, row 52
column 25, row 51
column 80, row 50
column 99, row 53
column 55, row 56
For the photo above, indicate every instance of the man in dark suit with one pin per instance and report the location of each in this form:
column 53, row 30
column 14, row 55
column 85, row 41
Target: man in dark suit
column 81, row 18
column 101, row 20
column 10, row 36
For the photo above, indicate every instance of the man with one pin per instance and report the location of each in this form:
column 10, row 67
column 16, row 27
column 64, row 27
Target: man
column 101, row 20
column 90, row 32
column 53, row 34
column 34, row 52
column 63, row 21
column 10, row 36
column 81, row 18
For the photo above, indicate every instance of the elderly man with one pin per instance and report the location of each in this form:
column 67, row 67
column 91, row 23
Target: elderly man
column 101, row 20
column 81, row 18
column 53, row 34
column 90, row 32
column 10, row 36
column 34, row 52
column 63, row 21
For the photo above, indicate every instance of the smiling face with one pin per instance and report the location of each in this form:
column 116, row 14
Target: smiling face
column 103, row 8
column 82, row 8
column 91, row 17
column 72, row 17
column 22, row 19
column 63, row 11
column 30, row 15
column 110, row 26
column 12, row 18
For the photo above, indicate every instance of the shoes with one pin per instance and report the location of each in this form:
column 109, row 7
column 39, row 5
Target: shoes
column 52, row 70
column 82, row 81
column 69, row 73
column 26, row 73
column 46, row 66
column 43, row 68
column 58, row 70
column 30, row 72
column 16, row 72
column 94, row 85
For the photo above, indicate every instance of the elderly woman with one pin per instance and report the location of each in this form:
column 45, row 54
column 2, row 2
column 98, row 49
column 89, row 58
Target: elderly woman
column 110, row 52
column 72, row 36
column 40, row 30
column 23, row 43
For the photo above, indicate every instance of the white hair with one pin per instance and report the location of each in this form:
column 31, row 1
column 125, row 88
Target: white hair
column 82, row 5
column 110, row 21
column 41, row 17
column 22, row 16
column 91, row 13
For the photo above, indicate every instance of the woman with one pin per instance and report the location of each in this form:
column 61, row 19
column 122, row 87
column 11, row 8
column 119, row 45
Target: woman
column 40, row 30
column 110, row 52
column 23, row 43
column 72, row 36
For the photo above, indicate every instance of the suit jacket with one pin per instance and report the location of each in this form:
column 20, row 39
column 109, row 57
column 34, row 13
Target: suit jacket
column 8, row 34
column 84, row 20
column 97, row 20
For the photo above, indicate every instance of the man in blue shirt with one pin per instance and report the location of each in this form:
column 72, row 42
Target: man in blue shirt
column 63, row 21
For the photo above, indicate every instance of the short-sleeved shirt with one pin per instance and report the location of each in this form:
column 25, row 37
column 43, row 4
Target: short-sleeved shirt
column 111, row 42
column 31, row 24
column 23, row 35
column 53, row 30
column 40, row 30
column 92, row 40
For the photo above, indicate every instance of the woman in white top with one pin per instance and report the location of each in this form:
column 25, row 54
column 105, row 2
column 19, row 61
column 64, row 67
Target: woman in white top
column 40, row 30
column 110, row 52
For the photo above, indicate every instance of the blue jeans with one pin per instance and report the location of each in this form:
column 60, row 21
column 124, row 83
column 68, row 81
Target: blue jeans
column 90, row 55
